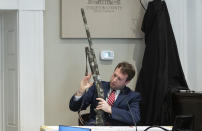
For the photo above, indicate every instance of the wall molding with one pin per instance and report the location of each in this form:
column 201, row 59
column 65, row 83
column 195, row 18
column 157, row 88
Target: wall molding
column 1, row 73
column 31, row 66
column 22, row 4
column 30, row 63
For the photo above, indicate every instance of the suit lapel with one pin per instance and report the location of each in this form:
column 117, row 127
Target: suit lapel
column 121, row 97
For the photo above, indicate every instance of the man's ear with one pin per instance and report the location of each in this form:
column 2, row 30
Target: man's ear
column 127, row 82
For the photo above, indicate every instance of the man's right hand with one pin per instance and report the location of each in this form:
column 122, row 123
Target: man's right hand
column 85, row 84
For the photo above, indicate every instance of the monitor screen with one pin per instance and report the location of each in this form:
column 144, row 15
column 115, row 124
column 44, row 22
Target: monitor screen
column 183, row 122
column 70, row 128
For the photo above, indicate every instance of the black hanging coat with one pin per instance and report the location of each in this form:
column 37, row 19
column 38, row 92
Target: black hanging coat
column 161, row 73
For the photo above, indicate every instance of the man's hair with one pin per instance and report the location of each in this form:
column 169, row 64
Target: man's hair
column 126, row 68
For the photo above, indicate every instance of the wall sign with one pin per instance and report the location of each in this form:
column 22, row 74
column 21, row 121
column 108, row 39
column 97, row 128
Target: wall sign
column 106, row 18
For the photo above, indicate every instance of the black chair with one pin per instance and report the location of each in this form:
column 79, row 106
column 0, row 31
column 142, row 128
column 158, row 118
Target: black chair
column 83, row 119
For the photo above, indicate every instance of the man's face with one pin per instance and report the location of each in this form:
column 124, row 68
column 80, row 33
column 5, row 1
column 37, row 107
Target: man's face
column 118, row 79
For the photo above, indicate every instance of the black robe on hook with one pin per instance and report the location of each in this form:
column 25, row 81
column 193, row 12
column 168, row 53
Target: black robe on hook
column 161, row 73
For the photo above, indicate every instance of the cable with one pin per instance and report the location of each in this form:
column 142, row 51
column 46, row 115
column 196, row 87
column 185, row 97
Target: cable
column 157, row 127
column 142, row 5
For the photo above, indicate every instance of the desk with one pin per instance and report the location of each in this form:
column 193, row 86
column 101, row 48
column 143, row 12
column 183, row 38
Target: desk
column 108, row 128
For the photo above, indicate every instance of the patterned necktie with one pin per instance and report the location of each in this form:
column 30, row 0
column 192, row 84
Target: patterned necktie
column 111, row 98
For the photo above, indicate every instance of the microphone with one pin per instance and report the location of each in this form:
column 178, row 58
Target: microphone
column 132, row 117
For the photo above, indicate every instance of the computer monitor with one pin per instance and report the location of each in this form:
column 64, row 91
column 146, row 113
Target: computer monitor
column 183, row 123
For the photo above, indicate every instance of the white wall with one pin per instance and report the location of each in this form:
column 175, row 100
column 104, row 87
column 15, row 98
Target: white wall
column 178, row 14
column 22, row 4
column 1, row 72
column 65, row 64
column 30, row 61
column 186, row 21
column 194, row 44
column 65, row 58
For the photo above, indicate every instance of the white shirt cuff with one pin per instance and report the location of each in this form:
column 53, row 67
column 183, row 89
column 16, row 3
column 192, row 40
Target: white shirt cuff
column 76, row 98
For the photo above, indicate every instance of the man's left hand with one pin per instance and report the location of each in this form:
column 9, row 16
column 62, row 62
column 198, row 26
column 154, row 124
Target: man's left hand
column 103, row 105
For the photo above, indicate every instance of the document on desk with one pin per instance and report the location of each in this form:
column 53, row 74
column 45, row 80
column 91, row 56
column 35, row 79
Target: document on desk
column 49, row 128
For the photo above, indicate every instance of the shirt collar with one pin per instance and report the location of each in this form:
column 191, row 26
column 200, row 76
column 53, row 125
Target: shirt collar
column 117, row 91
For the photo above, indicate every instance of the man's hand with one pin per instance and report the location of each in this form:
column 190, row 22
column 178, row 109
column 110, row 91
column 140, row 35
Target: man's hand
column 103, row 105
column 85, row 84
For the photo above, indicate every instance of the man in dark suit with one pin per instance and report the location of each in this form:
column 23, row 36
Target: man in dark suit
column 121, row 104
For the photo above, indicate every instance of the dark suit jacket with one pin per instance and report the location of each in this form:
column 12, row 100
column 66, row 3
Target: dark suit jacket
column 121, row 114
